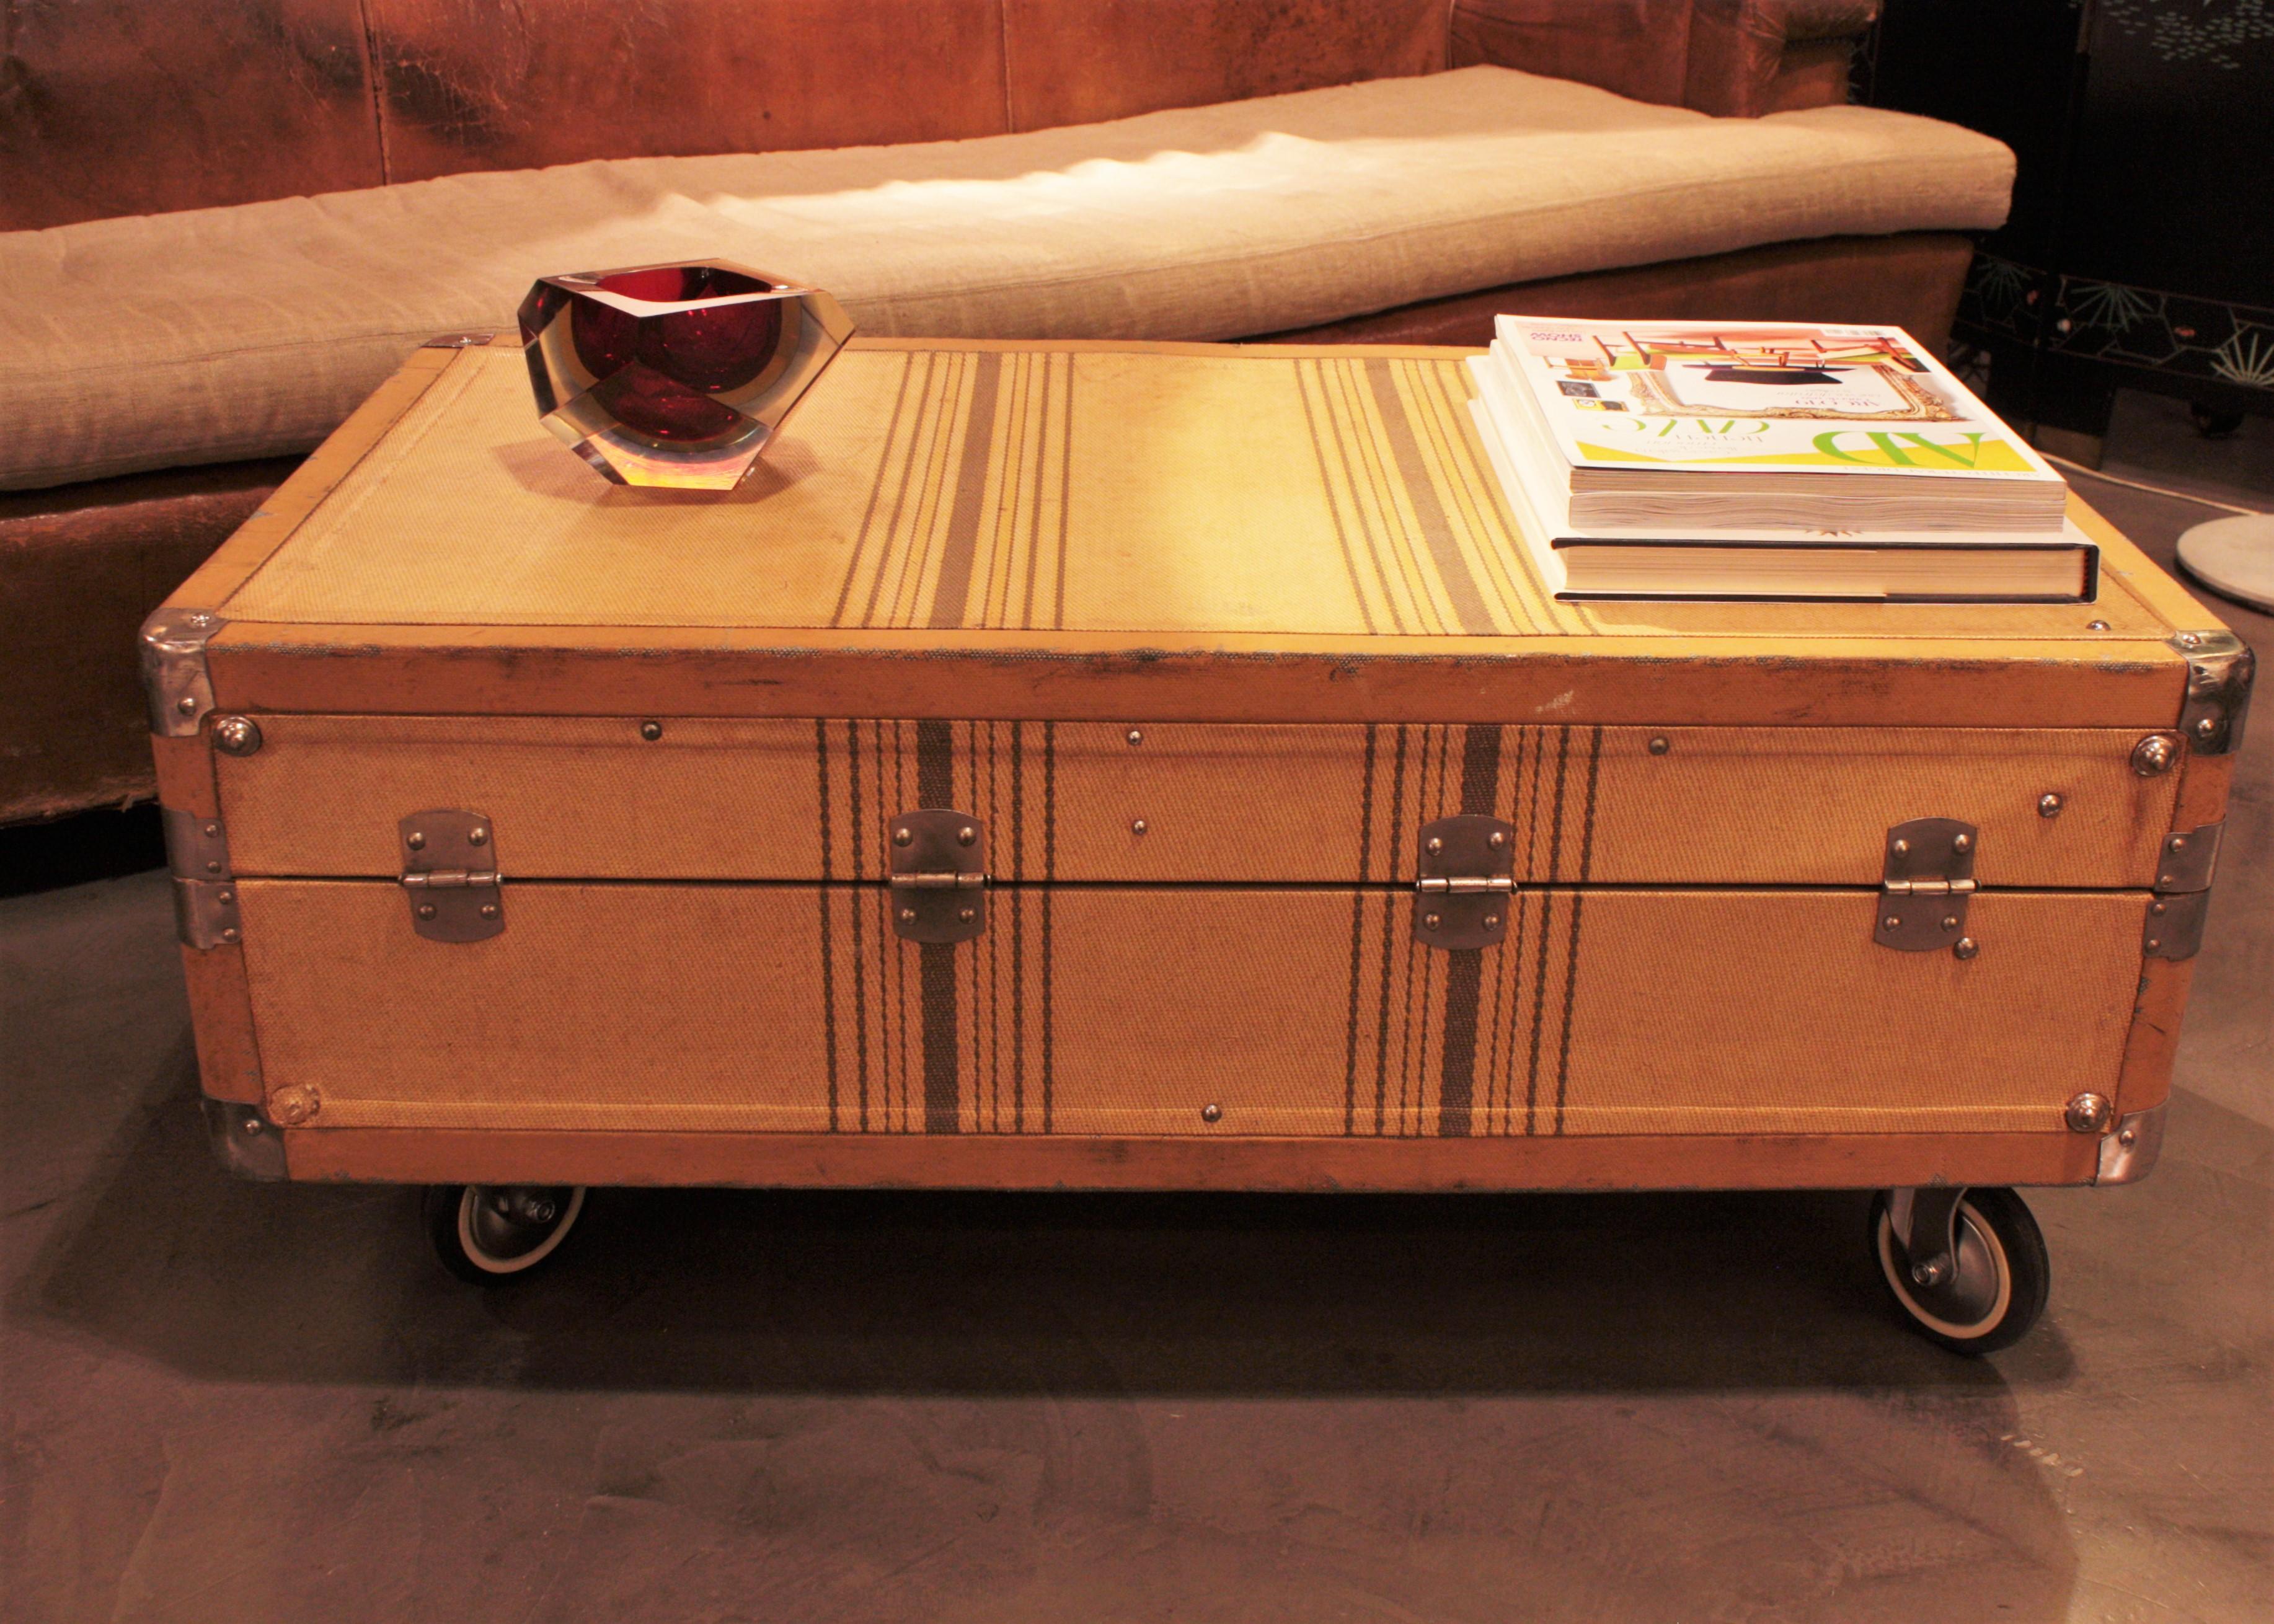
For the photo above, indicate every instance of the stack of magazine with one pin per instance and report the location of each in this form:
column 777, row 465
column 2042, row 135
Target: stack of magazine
column 1766, row 460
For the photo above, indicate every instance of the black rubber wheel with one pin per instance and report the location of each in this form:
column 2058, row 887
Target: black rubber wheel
column 490, row 1234
column 2002, row 1279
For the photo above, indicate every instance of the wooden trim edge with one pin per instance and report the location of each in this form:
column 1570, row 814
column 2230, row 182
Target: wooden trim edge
column 944, row 1161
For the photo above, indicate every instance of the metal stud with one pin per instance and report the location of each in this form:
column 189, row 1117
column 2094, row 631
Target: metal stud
column 1496, row 840
column 2049, row 805
column 1965, row 947
column 1430, row 922
column 1492, row 921
column 2088, row 1112
column 489, row 910
column 1136, row 735
column 1902, row 847
column 230, row 934
column 1950, row 921
column 1961, row 843
column 965, row 835
column 236, row 735
column 2189, row 640
column 477, row 836
column 903, row 836
column 1434, row 844
column 1661, row 744
column 650, row 731
column 415, row 840
column 967, row 915
column 908, row 916
column 2096, row 625
column 1212, row 1113
column 426, row 910
column 2153, row 755
column 1137, row 827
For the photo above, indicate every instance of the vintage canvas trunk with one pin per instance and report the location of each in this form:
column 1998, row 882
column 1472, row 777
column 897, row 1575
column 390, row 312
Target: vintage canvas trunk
column 1036, row 775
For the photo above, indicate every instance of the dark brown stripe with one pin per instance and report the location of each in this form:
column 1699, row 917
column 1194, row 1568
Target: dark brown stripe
column 877, row 492
column 1066, row 497
column 828, row 896
column 1469, row 611
column 1358, row 919
column 860, row 959
column 1546, row 922
column 1326, row 485
column 1572, row 952
column 1464, row 970
column 933, row 361
column 953, row 593
column 935, row 788
column 1050, row 875
column 897, row 1082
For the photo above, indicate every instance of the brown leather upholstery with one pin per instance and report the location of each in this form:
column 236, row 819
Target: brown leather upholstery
column 1734, row 58
column 272, row 98
column 80, row 567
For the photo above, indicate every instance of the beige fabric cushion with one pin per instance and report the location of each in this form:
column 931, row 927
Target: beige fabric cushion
column 221, row 333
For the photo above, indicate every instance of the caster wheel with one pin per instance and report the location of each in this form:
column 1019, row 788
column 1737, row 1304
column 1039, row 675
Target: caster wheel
column 492, row 1233
column 1998, row 1288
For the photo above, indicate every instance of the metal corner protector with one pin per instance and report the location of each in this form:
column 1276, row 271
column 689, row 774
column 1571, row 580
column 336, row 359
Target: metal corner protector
column 2128, row 1151
column 175, row 676
column 2220, row 671
column 244, row 1142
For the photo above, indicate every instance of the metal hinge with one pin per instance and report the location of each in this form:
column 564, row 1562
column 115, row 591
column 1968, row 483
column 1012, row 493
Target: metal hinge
column 1926, row 885
column 2220, row 667
column 2184, row 867
column 939, row 875
column 175, row 678
column 449, row 874
column 1462, row 895
column 205, row 891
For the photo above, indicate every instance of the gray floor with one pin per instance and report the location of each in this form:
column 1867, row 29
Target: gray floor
column 236, row 1402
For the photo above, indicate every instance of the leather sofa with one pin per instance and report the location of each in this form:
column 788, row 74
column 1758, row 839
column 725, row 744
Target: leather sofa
column 126, row 108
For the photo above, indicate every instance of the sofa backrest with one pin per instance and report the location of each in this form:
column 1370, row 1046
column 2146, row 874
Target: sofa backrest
column 124, row 106
column 117, row 107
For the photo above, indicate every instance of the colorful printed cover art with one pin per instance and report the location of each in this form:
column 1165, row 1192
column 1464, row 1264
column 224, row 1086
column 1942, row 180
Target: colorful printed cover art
column 1768, row 394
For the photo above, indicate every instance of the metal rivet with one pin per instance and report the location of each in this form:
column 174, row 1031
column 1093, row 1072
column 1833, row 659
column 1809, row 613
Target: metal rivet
column 908, row 916
column 213, row 832
column 213, row 867
column 2207, row 727
column 2188, row 640
column 489, row 910
column 1902, row 847
column 2154, row 943
column 1961, row 843
column 2156, row 907
column 967, row 915
column 1435, row 844
column 1894, row 921
column 1428, row 922
column 2178, row 843
column 650, row 731
column 1496, row 840
column 224, row 896
column 415, row 840
column 1212, row 1113
column 2096, row 625
column 477, row 836
column 426, row 910
column 236, row 735
column 903, row 836
column 1492, row 921
column 230, row 934
column 1950, row 921
column 1136, row 735
column 252, row 1125
column 2048, row 806
column 2153, row 754
column 2088, row 1112
column 1966, row 947
column 2128, row 1136
column 965, row 835
column 1137, row 827
column 1660, row 745
column 186, row 705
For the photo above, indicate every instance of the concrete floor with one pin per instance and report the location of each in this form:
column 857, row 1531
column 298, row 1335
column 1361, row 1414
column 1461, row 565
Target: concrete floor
column 254, row 1403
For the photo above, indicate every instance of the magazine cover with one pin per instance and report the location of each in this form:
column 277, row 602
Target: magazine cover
column 1758, row 395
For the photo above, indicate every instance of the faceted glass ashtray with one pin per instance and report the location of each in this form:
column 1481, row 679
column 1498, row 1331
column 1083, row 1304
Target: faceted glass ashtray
column 677, row 375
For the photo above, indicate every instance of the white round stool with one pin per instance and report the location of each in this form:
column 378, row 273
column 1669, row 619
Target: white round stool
column 2234, row 558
